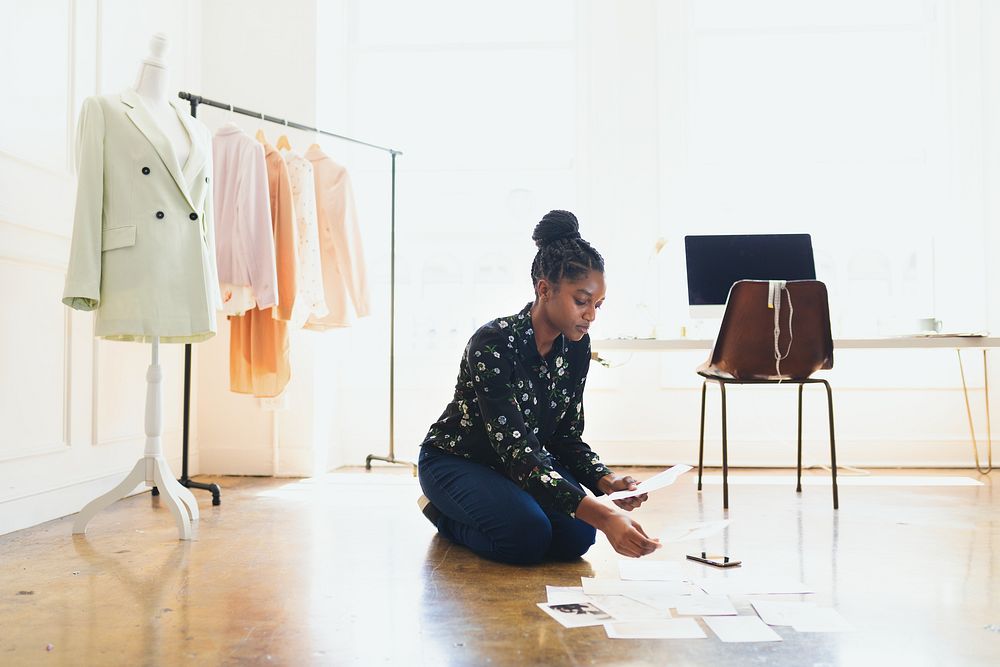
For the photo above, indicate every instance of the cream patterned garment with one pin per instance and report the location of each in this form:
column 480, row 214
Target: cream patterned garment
column 311, row 298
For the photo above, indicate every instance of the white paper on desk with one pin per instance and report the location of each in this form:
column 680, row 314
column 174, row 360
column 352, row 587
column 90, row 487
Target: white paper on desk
column 650, row 570
column 562, row 594
column 624, row 608
column 705, row 605
column 781, row 613
column 692, row 531
column 741, row 629
column 576, row 614
column 822, row 619
column 671, row 628
column 635, row 589
column 658, row 481
column 750, row 586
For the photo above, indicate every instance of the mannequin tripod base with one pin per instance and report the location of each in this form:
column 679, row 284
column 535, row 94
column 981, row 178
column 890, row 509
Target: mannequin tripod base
column 153, row 470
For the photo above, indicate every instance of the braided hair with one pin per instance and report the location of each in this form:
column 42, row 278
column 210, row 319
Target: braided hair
column 562, row 252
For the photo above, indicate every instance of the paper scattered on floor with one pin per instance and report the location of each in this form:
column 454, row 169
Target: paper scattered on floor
column 624, row 608
column 576, row 614
column 560, row 594
column 637, row 588
column 780, row 613
column 650, row 570
column 673, row 628
column 741, row 629
column 658, row 481
column 743, row 585
column 822, row 619
column 692, row 531
column 705, row 605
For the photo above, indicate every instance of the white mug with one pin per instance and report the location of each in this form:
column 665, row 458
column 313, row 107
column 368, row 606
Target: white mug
column 928, row 325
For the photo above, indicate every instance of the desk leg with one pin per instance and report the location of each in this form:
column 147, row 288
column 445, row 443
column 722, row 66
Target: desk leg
column 968, row 413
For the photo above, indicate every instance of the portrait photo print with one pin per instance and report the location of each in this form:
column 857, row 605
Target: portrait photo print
column 576, row 614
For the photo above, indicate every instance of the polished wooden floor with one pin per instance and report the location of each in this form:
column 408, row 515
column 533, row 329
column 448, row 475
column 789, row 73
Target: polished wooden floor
column 344, row 570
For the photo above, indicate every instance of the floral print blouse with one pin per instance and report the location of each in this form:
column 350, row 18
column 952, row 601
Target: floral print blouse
column 516, row 411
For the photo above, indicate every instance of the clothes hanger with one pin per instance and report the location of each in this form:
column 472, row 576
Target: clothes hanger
column 260, row 133
column 314, row 146
column 283, row 141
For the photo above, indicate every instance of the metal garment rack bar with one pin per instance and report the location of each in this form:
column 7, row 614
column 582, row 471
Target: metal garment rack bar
column 195, row 101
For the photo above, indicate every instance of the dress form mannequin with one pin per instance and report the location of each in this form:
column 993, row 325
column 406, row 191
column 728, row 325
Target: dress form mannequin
column 152, row 86
column 152, row 468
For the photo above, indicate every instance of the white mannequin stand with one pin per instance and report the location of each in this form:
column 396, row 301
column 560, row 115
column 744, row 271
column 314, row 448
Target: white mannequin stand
column 152, row 468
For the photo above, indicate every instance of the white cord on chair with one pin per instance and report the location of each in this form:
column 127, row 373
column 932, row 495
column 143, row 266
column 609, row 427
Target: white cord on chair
column 774, row 300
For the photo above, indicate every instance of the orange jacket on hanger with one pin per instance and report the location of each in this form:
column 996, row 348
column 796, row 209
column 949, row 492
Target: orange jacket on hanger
column 344, row 274
column 258, row 339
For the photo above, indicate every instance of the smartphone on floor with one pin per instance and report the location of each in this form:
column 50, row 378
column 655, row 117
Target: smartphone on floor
column 715, row 560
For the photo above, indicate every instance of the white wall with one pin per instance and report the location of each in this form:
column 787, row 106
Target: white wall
column 72, row 407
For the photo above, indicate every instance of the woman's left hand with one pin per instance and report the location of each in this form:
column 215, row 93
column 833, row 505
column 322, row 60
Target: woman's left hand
column 611, row 483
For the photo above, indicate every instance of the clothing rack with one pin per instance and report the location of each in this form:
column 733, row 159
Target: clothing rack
column 195, row 101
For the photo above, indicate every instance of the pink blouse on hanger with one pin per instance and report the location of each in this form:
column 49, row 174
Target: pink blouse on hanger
column 244, row 238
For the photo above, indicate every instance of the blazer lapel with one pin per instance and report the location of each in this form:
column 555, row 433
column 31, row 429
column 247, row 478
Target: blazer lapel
column 197, row 157
column 144, row 122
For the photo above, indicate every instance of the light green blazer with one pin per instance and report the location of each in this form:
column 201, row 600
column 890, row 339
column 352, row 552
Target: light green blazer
column 143, row 250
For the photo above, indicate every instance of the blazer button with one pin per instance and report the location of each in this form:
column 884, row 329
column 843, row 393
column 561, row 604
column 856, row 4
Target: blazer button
column 145, row 171
column 159, row 215
column 193, row 216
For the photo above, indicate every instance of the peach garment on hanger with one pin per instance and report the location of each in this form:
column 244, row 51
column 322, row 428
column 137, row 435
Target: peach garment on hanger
column 258, row 339
column 341, row 252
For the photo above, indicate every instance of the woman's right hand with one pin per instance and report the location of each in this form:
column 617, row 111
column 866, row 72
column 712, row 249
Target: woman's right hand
column 627, row 536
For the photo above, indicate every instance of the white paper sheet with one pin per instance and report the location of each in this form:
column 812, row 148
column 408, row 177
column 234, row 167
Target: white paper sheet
column 664, row 603
column 650, row 570
column 822, row 619
column 674, row 628
column 751, row 586
column 780, row 613
column 561, row 594
column 705, row 605
column 624, row 608
column 658, row 481
column 637, row 588
column 576, row 614
column 741, row 629
column 692, row 531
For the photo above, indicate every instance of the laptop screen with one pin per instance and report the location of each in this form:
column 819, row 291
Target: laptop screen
column 714, row 263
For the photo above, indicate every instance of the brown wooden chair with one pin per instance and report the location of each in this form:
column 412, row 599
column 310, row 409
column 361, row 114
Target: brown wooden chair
column 744, row 353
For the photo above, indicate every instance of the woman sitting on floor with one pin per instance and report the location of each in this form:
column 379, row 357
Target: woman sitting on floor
column 500, row 468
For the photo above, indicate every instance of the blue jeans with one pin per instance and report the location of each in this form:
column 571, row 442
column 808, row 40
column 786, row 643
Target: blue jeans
column 488, row 513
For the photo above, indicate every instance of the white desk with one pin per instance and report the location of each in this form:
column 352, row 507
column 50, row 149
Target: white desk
column 957, row 343
column 892, row 343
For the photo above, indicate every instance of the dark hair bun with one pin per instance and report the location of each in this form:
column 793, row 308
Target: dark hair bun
column 554, row 226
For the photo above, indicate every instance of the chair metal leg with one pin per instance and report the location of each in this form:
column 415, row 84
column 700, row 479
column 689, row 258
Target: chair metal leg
column 833, row 444
column 798, row 478
column 701, row 437
column 725, row 454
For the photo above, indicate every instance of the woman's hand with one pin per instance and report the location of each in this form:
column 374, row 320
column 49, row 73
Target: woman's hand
column 625, row 535
column 611, row 483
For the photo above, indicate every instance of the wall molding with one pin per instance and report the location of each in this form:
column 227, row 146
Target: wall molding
column 49, row 168
column 27, row 451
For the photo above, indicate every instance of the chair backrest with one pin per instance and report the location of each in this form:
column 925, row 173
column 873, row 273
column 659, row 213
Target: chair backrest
column 744, row 349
